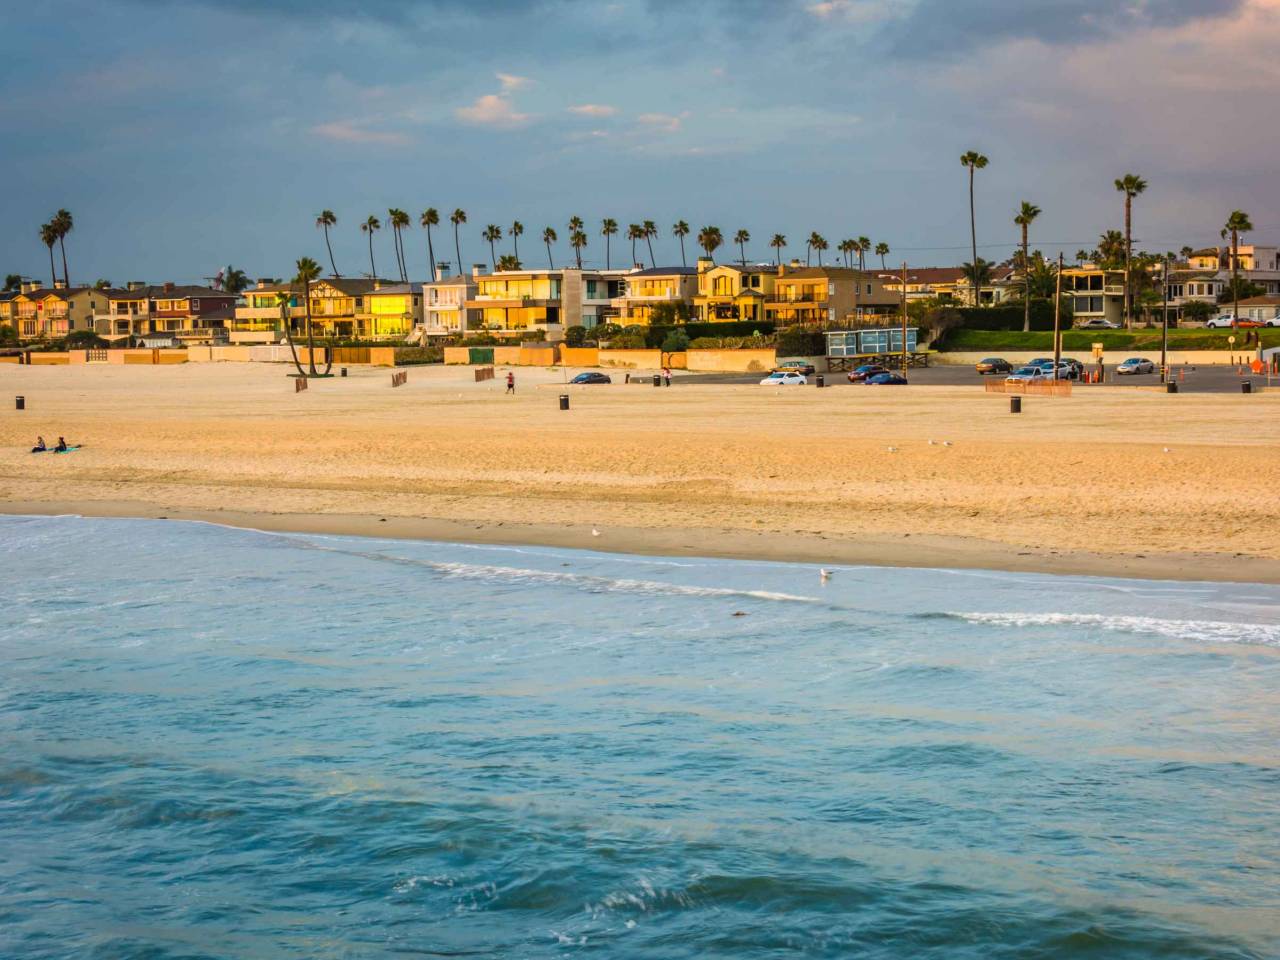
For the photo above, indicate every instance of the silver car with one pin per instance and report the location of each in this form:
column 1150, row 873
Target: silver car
column 1136, row 365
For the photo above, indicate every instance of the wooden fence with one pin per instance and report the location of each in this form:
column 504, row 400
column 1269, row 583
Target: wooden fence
column 1034, row 388
column 484, row 373
column 400, row 379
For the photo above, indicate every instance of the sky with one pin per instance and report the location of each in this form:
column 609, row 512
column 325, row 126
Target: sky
column 185, row 135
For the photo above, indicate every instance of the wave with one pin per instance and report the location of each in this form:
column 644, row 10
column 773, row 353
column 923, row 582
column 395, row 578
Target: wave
column 1215, row 631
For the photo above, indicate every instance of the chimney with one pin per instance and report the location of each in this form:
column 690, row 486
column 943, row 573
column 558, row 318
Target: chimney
column 59, row 284
column 795, row 263
column 138, row 285
column 782, row 270
column 477, row 269
column 30, row 285
column 442, row 270
column 168, row 286
column 705, row 264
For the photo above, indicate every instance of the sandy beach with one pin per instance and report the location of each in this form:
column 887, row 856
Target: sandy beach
column 1110, row 481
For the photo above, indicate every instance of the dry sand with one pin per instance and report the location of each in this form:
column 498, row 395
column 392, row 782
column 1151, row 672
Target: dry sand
column 1078, row 485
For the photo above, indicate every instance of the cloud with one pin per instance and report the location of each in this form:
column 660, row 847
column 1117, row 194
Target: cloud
column 511, row 82
column 854, row 11
column 663, row 122
column 593, row 110
column 492, row 110
column 345, row 132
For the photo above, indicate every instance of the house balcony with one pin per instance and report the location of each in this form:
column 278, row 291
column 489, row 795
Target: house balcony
column 1114, row 289
column 510, row 303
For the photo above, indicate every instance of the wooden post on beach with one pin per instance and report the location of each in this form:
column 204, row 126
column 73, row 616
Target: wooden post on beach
column 299, row 384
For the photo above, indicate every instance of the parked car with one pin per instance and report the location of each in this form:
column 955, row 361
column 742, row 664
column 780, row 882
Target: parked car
column 591, row 378
column 886, row 379
column 993, row 365
column 1250, row 323
column 1274, row 321
column 796, row 366
column 860, row 374
column 784, row 379
column 1136, row 365
column 1221, row 321
column 1040, row 362
column 1075, row 365
column 1029, row 374
column 1097, row 323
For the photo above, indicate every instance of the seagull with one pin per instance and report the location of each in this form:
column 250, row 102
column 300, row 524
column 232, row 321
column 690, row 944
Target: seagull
column 595, row 532
column 1166, row 449
column 893, row 449
column 824, row 575
column 933, row 443
column 946, row 443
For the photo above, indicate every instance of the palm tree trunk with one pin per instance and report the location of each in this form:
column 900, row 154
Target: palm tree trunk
column 973, row 236
column 649, row 243
column 1128, row 252
column 373, row 271
column 330, row 248
column 53, row 271
column 1026, row 284
column 882, row 266
column 457, row 249
column 607, row 261
column 551, row 264
column 1235, row 279
column 311, row 343
column 431, row 258
column 807, row 254
column 683, row 262
column 287, row 321
column 493, row 261
column 742, row 252
column 515, row 246
column 66, row 278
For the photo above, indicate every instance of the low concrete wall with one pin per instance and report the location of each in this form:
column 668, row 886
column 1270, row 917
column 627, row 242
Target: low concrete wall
column 382, row 356
column 253, row 336
column 170, row 356
column 77, row 356
column 538, row 356
column 506, row 356
column 456, row 355
column 631, row 359
column 11, row 359
column 1016, row 357
column 48, row 359
column 580, row 356
column 734, row 361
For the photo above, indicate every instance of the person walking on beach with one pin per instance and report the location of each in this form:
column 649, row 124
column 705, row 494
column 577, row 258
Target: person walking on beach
column 666, row 376
column 511, row 381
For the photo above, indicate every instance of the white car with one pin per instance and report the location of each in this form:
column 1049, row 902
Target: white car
column 1223, row 320
column 1030, row 374
column 1097, row 323
column 785, row 378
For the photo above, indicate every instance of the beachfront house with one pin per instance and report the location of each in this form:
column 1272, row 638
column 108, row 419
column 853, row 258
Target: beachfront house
column 732, row 292
column 1096, row 293
column 193, row 313
column 646, row 289
column 812, row 295
column 1258, row 264
column 43, row 313
column 519, row 302
column 444, row 304
column 340, row 307
column 1260, row 308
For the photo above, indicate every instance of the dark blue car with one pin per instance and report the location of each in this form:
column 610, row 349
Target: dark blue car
column 885, row 379
column 591, row 378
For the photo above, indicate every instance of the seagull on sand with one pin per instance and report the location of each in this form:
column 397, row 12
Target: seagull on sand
column 595, row 532
column 946, row 443
column 893, row 449
column 824, row 574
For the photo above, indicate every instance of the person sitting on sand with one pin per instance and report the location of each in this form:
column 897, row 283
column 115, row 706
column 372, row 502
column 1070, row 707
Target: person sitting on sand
column 39, row 447
column 62, row 445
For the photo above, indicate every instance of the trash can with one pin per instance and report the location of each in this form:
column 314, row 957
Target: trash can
column 657, row 380
column 1171, row 387
column 1246, row 386
column 20, row 403
column 1015, row 404
column 821, row 381
column 344, row 371
column 564, row 401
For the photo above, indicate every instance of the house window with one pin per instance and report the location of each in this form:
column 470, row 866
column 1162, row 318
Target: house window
column 195, row 304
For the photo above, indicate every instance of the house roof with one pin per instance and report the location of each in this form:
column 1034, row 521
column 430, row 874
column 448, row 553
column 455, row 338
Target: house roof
column 62, row 293
column 828, row 273
column 665, row 272
column 934, row 275
column 394, row 288
column 1265, row 301
column 152, row 291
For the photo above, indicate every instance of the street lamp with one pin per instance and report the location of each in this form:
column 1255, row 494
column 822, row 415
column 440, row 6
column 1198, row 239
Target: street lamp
column 903, row 279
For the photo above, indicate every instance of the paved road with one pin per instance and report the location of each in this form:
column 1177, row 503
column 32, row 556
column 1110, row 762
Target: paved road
column 1204, row 379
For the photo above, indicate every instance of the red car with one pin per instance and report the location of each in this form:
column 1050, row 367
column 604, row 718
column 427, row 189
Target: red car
column 861, row 374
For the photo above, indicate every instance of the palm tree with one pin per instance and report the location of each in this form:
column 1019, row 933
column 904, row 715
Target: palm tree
column 709, row 239
column 1130, row 185
column 846, row 248
column 234, row 280
column 63, row 224
column 549, row 237
column 371, row 226
column 1111, row 249
column 1237, row 224
column 517, row 229
column 778, row 242
column 400, row 221
column 49, row 236
column 681, row 230
column 819, row 244
column 634, row 232
column 1186, row 252
column 809, row 246
column 608, row 228
column 979, row 276
column 430, row 218
column 650, row 231
column 882, row 251
column 284, row 300
column 974, row 161
column 492, row 233
column 1025, row 216
column 458, row 216
column 308, row 271
column 326, row 220
column 742, row 238
column 864, row 247
column 578, row 240
column 1081, row 256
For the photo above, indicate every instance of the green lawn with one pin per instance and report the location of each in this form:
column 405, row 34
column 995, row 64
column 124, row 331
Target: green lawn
column 1082, row 341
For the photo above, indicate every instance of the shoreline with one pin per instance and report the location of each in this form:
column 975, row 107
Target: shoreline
column 904, row 551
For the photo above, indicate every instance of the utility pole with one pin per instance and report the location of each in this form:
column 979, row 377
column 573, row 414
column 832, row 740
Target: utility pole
column 1164, row 332
column 1057, row 318
column 904, row 319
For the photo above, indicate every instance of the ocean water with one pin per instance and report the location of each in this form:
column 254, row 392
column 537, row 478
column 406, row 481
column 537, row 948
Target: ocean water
column 224, row 743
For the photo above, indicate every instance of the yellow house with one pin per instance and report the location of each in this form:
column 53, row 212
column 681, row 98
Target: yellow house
column 520, row 300
column 390, row 311
column 730, row 292
column 827, row 295
column 340, row 307
column 646, row 289
column 44, row 313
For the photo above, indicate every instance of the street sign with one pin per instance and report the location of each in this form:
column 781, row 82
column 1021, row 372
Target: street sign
column 1097, row 351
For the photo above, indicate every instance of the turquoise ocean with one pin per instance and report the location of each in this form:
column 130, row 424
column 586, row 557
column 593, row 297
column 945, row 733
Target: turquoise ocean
column 220, row 743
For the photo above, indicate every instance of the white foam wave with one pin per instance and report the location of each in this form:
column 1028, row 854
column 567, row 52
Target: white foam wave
column 1212, row 631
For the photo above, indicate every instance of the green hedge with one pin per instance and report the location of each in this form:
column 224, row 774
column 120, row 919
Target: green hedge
column 656, row 334
column 1082, row 341
column 1010, row 317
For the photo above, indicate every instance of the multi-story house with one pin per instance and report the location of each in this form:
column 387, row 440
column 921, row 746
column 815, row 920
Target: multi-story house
column 191, row 312
column 444, row 304
column 827, row 295
column 1186, row 286
column 525, row 301
column 950, row 285
column 340, row 307
column 43, row 313
column 1265, row 308
column 259, row 312
column 1258, row 264
column 390, row 311
column 1096, row 293
column 646, row 289
column 728, row 292
column 7, row 309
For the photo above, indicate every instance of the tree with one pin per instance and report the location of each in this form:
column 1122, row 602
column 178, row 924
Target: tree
column 1197, row 310
column 458, row 217
column 778, row 242
column 308, row 272
column 882, row 251
column 549, row 237
column 234, row 280
column 326, row 220
column 1236, row 224
column 1081, row 256
column 819, row 244
column 430, row 218
column 809, row 246
column 634, row 232
column 371, row 226
column 13, row 282
column 677, row 341
column 284, row 300
column 1130, row 185
column 979, row 276
column 845, row 248
column 864, row 247
column 974, row 161
column 1186, row 252
column 102, row 284
column 508, row 261
column 608, row 230
column 710, row 239
column 1025, row 216
column 578, row 240
column 650, row 231
column 49, row 236
column 63, row 224
column 400, row 222
column 681, row 230
column 742, row 238
column 1110, row 252
column 516, row 231
column 492, row 234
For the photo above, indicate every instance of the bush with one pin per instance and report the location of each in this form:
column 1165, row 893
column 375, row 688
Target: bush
column 411, row 356
column 575, row 336
column 607, row 331
column 628, row 341
column 800, row 342
column 8, row 335
column 669, row 314
column 677, row 341
column 83, row 340
column 1010, row 318
column 1197, row 310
